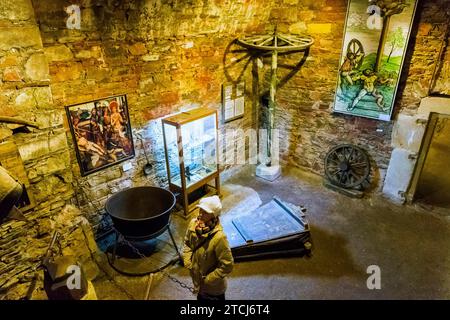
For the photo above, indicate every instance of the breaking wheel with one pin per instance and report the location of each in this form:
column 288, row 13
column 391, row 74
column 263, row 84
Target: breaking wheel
column 347, row 166
column 355, row 49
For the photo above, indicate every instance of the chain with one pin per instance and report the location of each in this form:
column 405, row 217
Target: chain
column 180, row 283
column 136, row 251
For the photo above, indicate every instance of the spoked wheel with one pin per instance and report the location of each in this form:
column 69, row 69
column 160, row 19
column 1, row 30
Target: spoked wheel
column 347, row 166
column 355, row 49
column 277, row 41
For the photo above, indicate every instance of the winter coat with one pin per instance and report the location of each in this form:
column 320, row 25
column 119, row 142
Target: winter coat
column 211, row 262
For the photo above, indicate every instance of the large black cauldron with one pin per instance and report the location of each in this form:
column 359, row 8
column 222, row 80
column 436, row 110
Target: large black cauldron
column 141, row 212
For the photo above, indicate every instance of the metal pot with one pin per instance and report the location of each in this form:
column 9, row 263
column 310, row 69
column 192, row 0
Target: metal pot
column 141, row 212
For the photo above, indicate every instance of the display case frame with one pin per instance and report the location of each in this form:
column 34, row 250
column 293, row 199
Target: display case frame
column 184, row 190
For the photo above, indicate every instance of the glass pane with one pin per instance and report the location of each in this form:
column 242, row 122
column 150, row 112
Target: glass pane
column 172, row 153
column 199, row 148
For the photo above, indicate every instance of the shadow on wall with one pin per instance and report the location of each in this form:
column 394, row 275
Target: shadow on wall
column 237, row 59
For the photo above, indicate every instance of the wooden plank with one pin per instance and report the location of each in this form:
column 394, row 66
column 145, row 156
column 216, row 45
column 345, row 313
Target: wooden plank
column 288, row 210
column 242, row 231
column 189, row 116
column 269, row 221
column 202, row 182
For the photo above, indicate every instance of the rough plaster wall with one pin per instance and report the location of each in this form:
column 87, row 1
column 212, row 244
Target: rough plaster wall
column 305, row 101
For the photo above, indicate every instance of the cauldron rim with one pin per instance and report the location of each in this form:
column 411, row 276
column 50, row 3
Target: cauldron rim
column 140, row 219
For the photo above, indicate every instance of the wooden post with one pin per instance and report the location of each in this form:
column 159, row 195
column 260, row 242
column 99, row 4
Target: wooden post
column 182, row 172
column 18, row 121
column 217, row 180
column 273, row 89
column 255, row 95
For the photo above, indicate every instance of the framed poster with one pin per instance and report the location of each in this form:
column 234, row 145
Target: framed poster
column 101, row 132
column 233, row 104
column 376, row 34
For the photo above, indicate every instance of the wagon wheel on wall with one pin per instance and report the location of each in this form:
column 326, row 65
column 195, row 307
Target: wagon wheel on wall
column 356, row 48
column 347, row 166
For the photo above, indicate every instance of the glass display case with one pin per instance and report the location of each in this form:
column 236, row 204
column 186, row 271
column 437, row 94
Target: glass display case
column 190, row 144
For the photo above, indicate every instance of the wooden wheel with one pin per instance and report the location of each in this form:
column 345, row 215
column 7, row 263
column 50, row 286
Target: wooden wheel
column 355, row 49
column 347, row 166
column 278, row 41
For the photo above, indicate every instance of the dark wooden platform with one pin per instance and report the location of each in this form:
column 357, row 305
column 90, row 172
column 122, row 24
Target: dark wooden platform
column 274, row 229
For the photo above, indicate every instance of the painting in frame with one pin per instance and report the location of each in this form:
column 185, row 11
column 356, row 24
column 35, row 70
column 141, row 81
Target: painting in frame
column 375, row 40
column 101, row 132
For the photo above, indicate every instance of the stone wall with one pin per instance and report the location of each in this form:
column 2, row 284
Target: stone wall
column 428, row 74
column 169, row 56
column 305, row 101
column 164, row 57
column 26, row 94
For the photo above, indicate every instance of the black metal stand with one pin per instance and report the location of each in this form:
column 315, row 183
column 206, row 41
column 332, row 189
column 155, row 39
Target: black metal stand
column 120, row 238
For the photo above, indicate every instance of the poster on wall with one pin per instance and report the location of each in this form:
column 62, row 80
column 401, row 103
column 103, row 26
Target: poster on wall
column 233, row 104
column 101, row 133
column 376, row 35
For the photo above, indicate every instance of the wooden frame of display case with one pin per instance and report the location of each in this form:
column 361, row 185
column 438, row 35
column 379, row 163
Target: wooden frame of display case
column 178, row 121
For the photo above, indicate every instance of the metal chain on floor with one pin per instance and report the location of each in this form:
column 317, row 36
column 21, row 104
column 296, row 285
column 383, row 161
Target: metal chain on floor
column 142, row 256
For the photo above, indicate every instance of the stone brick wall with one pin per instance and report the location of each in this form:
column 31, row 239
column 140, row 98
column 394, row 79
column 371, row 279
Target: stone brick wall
column 166, row 57
column 424, row 53
column 305, row 101
column 169, row 56
column 26, row 94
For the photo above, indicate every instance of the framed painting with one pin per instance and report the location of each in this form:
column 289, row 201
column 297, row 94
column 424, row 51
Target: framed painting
column 101, row 132
column 376, row 34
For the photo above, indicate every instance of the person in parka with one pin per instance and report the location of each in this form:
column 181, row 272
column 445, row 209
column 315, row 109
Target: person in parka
column 206, row 252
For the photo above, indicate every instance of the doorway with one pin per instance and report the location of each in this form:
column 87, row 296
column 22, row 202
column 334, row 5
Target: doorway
column 433, row 186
